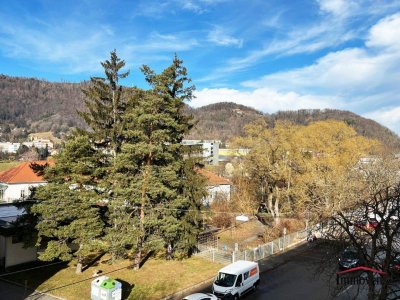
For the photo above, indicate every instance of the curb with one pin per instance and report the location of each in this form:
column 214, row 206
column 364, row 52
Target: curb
column 204, row 284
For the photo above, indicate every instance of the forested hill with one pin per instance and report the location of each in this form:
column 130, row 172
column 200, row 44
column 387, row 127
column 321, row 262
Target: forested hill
column 366, row 127
column 38, row 105
column 221, row 121
column 31, row 105
column 225, row 120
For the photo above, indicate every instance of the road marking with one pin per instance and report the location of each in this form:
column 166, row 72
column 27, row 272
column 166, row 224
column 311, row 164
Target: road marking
column 345, row 290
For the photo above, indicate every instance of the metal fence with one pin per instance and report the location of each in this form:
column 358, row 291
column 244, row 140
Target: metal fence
column 260, row 252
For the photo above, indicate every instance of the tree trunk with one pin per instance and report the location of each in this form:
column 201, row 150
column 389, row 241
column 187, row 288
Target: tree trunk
column 146, row 175
column 79, row 265
column 277, row 217
column 138, row 257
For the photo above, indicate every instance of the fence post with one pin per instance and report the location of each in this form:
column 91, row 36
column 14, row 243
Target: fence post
column 245, row 254
column 233, row 256
column 272, row 247
column 279, row 243
column 213, row 255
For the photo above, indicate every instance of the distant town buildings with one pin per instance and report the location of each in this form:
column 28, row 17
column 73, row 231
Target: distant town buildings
column 8, row 147
column 210, row 149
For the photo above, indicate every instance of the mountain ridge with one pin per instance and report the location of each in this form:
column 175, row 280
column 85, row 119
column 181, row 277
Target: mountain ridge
column 31, row 105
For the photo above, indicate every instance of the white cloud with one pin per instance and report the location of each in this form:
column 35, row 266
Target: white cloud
column 339, row 8
column 390, row 117
column 364, row 80
column 220, row 37
column 385, row 33
column 264, row 99
column 349, row 73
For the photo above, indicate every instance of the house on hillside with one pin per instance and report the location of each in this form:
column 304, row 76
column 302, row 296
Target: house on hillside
column 16, row 183
column 12, row 250
column 217, row 186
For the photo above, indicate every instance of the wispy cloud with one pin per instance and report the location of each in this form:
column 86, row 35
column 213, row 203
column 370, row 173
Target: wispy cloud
column 162, row 9
column 339, row 8
column 327, row 33
column 363, row 79
column 78, row 47
column 220, row 37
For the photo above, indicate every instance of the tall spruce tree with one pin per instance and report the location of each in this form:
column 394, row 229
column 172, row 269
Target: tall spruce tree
column 105, row 103
column 67, row 204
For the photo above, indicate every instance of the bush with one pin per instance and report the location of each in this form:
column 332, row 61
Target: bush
column 221, row 213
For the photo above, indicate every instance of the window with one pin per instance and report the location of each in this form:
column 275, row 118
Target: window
column 1, row 194
column 239, row 280
column 23, row 194
column 246, row 275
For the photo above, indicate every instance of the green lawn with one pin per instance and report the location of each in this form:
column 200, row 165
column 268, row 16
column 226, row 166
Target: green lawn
column 155, row 280
column 4, row 165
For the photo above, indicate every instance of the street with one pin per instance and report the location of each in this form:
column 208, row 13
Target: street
column 309, row 272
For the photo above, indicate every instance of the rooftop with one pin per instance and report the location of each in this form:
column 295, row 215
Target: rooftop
column 22, row 173
column 214, row 179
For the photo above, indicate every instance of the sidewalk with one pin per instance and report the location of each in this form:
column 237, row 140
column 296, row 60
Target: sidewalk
column 9, row 291
column 267, row 264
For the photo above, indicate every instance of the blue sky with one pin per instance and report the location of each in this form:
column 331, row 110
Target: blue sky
column 268, row 54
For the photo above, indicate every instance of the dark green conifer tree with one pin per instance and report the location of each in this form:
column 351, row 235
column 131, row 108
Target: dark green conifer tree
column 163, row 191
column 105, row 103
column 67, row 205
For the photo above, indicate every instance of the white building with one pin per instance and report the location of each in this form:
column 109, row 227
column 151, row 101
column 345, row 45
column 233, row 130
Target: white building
column 15, row 183
column 9, row 147
column 210, row 149
column 40, row 144
column 217, row 187
column 12, row 251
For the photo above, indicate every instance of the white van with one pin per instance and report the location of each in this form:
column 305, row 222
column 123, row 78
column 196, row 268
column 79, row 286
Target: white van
column 236, row 279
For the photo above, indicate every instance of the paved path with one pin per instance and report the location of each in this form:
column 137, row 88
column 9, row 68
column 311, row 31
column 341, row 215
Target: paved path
column 10, row 291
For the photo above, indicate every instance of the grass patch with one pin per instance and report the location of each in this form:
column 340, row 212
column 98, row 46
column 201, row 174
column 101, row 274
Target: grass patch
column 4, row 165
column 245, row 234
column 155, row 280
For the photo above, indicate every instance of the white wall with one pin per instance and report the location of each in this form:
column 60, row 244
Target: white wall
column 223, row 190
column 13, row 191
column 16, row 254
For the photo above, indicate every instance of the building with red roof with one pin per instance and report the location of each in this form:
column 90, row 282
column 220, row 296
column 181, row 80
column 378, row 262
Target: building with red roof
column 16, row 182
column 217, row 186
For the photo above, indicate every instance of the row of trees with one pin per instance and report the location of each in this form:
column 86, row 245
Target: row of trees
column 125, row 186
column 296, row 169
column 325, row 173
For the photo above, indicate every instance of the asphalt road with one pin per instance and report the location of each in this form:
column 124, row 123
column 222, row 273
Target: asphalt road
column 308, row 273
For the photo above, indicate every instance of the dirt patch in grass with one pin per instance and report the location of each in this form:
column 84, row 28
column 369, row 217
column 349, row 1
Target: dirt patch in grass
column 245, row 234
column 155, row 280
column 253, row 233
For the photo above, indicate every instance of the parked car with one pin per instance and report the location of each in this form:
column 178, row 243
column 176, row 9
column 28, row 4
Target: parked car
column 368, row 224
column 373, row 223
column 350, row 258
column 201, row 296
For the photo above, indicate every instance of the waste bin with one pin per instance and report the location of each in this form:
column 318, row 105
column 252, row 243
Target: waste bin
column 105, row 288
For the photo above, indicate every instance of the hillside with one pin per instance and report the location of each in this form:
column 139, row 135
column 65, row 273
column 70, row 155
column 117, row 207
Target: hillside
column 221, row 121
column 30, row 105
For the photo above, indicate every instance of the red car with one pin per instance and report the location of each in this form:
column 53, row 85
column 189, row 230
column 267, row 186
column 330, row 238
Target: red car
column 371, row 223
